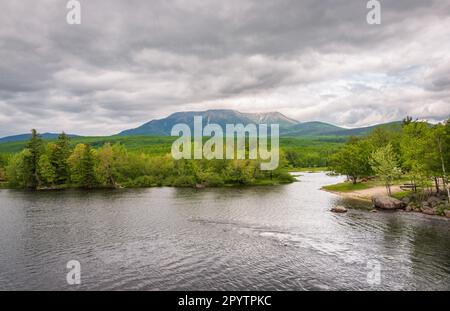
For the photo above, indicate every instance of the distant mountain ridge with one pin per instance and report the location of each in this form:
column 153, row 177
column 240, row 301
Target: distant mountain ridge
column 288, row 126
column 22, row 137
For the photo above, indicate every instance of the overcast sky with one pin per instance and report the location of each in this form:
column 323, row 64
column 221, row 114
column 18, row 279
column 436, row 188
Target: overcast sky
column 133, row 61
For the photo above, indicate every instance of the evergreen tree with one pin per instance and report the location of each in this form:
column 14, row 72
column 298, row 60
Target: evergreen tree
column 59, row 159
column 35, row 148
column 82, row 166
column 87, row 166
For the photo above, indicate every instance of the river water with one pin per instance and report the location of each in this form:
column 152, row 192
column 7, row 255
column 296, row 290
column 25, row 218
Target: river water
column 255, row 238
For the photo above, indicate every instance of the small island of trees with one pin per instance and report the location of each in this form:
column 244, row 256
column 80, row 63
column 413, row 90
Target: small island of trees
column 56, row 165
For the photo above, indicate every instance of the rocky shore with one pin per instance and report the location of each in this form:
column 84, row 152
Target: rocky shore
column 430, row 204
column 435, row 204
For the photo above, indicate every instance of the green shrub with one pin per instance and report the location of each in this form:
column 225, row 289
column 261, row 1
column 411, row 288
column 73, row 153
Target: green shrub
column 144, row 181
column 184, row 181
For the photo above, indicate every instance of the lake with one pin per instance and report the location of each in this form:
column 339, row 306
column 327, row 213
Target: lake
column 252, row 238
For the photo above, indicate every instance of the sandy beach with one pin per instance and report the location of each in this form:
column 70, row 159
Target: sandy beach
column 365, row 194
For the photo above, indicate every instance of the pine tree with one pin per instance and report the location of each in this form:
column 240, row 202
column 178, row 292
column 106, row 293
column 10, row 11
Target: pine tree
column 35, row 147
column 59, row 159
column 87, row 166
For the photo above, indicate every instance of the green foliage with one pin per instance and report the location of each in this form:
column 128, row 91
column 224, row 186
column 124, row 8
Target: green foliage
column 184, row 181
column 211, row 179
column 82, row 166
column 425, row 152
column 46, row 171
column 309, row 151
column 419, row 150
column 112, row 165
column 401, row 194
column 106, row 166
column 19, row 170
column 59, row 155
column 353, row 159
column 35, row 147
column 384, row 165
column 3, row 164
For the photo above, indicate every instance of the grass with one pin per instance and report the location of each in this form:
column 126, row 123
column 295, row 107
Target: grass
column 401, row 194
column 308, row 169
column 347, row 187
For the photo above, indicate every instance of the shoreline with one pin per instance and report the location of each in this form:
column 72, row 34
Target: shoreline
column 364, row 194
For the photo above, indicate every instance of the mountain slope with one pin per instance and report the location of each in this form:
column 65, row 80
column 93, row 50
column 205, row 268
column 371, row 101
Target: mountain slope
column 311, row 129
column 366, row 130
column 23, row 137
column 221, row 117
column 288, row 126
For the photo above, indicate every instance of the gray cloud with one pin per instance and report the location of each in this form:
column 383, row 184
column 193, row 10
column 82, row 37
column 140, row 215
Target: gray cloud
column 131, row 61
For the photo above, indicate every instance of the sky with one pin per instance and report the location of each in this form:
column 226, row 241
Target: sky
column 132, row 61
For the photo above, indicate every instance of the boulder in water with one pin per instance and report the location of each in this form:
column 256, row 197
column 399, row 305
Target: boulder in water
column 339, row 209
column 387, row 203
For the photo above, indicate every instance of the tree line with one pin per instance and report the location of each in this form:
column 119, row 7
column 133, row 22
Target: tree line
column 56, row 165
column 419, row 151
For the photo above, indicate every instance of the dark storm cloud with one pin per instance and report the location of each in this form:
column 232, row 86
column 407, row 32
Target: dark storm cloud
column 131, row 61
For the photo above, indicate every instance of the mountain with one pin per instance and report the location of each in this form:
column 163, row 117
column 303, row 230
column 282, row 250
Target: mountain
column 311, row 129
column 367, row 130
column 22, row 137
column 325, row 129
column 222, row 117
column 288, row 126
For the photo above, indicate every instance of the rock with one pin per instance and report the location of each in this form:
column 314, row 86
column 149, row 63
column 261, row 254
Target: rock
column 406, row 200
column 409, row 208
column 433, row 201
column 339, row 209
column 388, row 203
column 425, row 205
column 200, row 186
column 429, row 211
column 374, row 211
column 447, row 213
